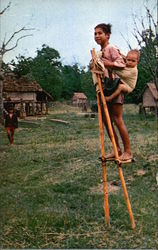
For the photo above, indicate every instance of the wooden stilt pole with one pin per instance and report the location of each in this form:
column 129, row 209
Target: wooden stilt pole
column 106, row 202
column 126, row 196
column 114, row 147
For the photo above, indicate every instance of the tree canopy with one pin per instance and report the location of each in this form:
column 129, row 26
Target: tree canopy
column 146, row 34
column 61, row 81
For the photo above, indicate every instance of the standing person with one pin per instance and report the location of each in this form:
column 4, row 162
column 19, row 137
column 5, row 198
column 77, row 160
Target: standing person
column 112, row 59
column 11, row 123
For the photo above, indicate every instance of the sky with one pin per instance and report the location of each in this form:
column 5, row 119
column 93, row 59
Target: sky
column 68, row 25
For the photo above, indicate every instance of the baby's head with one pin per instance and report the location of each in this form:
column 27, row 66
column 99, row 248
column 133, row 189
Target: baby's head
column 132, row 58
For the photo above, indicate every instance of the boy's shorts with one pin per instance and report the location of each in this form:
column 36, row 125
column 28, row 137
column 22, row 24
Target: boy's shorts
column 10, row 129
column 117, row 100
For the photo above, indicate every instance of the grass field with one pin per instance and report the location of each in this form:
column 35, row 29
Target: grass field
column 51, row 190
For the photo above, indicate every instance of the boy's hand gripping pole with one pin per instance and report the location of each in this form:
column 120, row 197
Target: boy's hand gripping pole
column 110, row 130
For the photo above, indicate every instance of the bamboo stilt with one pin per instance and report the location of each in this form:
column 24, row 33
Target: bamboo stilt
column 114, row 146
column 126, row 197
column 106, row 202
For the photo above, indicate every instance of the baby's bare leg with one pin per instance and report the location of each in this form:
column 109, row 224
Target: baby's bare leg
column 121, row 88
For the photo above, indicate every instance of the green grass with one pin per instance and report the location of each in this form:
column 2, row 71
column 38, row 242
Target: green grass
column 50, row 179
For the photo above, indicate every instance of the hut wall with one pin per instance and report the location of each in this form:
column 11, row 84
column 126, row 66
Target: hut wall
column 148, row 100
column 79, row 101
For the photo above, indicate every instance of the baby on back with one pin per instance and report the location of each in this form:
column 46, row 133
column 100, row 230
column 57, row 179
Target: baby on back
column 128, row 75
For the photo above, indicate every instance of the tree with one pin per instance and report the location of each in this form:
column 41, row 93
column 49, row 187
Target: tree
column 4, row 48
column 148, row 42
column 146, row 35
column 22, row 66
column 71, row 80
column 45, row 68
column 87, row 85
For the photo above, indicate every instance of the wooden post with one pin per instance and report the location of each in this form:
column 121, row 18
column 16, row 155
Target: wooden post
column 114, row 147
column 21, row 108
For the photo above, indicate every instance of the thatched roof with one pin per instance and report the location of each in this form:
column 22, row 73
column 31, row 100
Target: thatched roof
column 12, row 83
column 79, row 95
column 153, row 90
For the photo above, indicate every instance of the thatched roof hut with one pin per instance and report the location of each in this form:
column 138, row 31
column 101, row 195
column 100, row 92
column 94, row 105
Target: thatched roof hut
column 22, row 90
column 16, row 88
column 149, row 97
column 79, row 99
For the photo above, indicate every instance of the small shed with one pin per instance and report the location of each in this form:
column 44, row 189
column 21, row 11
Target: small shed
column 79, row 99
column 27, row 96
column 150, row 98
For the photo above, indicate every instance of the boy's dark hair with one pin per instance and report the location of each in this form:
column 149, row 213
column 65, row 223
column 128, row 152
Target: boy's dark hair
column 105, row 27
column 11, row 107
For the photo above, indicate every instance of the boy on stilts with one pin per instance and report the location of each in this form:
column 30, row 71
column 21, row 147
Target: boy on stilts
column 113, row 60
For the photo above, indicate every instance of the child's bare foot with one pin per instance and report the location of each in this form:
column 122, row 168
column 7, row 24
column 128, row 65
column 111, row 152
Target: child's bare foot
column 125, row 157
column 111, row 155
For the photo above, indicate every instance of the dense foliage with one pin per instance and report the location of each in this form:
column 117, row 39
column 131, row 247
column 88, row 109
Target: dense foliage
column 61, row 81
